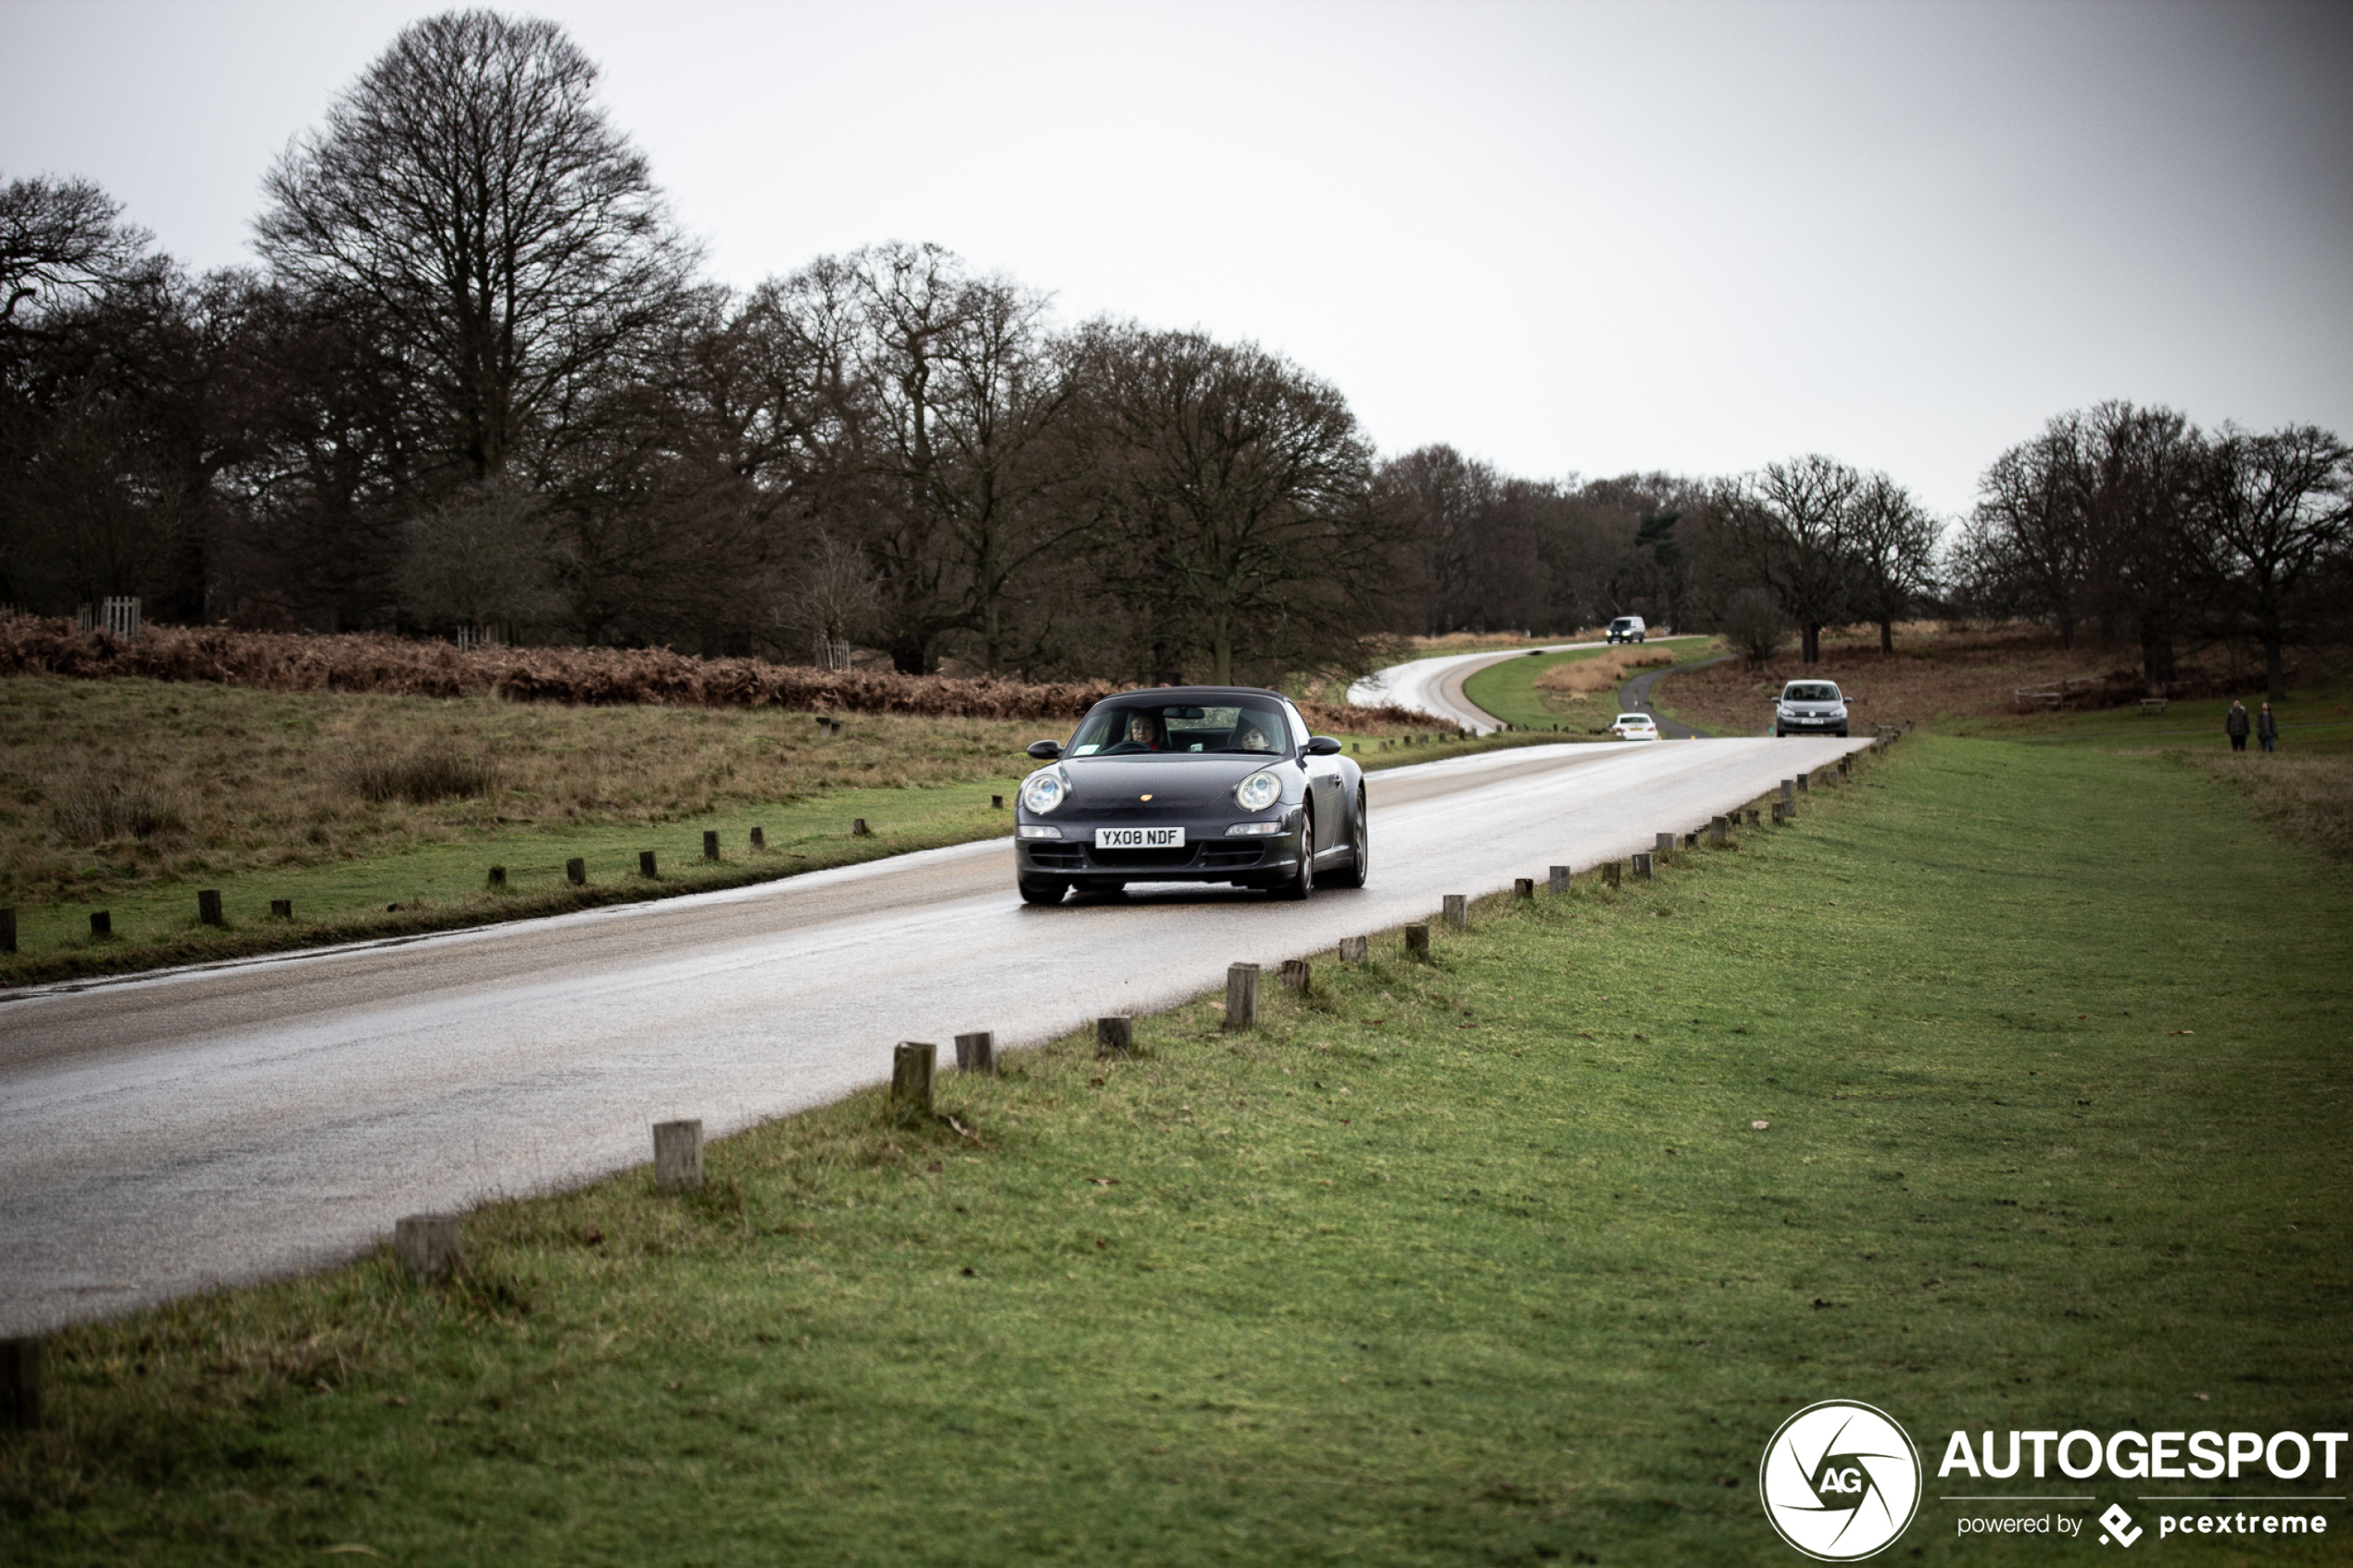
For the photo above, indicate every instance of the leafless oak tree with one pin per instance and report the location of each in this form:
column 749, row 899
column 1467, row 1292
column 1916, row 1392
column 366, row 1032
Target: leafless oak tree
column 511, row 241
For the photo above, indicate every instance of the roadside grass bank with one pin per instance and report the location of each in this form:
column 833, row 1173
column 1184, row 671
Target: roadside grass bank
column 1510, row 692
column 379, row 815
column 1481, row 1261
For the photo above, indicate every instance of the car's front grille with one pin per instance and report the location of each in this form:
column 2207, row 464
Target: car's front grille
column 1180, row 855
column 1057, row 857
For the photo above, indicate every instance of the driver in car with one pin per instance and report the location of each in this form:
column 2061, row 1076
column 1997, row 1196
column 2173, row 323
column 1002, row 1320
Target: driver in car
column 1143, row 729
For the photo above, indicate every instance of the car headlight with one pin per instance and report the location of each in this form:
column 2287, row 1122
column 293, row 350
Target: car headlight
column 1259, row 791
column 1044, row 790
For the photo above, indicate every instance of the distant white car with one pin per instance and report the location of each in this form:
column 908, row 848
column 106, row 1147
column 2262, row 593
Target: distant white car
column 1635, row 726
column 1627, row 629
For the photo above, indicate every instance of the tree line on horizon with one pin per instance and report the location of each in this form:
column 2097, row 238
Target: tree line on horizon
column 479, row 381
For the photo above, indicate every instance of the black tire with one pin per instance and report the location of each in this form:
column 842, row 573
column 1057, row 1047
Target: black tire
column 1842, row 734
column 1359, row 840
column 1303, row 882
column 1043, row 892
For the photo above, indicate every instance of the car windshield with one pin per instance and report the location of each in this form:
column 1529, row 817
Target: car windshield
column 1809, row 692
column 1125, row 729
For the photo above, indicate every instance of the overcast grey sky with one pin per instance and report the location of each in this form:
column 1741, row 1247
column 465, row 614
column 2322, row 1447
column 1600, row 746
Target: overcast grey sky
column 1567, row 238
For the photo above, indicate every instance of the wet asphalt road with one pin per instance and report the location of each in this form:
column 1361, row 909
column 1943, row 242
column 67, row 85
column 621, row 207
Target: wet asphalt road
column 159, row 1135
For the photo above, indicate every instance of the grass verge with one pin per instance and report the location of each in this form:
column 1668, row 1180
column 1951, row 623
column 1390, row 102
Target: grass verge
column 1508, row 690
column 1482, row 1262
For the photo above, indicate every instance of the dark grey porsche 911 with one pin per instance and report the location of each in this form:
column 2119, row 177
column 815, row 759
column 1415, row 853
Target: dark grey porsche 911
column 1192, row 784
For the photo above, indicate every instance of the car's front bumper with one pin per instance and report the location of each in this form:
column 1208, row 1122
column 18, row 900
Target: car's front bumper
column 1208, row 854
column 1812, row 722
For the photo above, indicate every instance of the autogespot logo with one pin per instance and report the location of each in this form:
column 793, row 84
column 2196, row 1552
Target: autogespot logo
column 1840, row 1481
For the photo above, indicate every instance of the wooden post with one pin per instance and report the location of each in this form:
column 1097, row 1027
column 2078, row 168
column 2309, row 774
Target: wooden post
column 678, row 1154
column 858, row 828
column 1417, row 943
column 8, row 930
column 1298, row 977
column 282, row 909
column 995, row 802
column 710, row 844
column 1241, row 996
column 1612, row 873
column 1662, row 843
column 576, row 871
column 20, row 1384
column 1455, row 910
column 1716, row 828
column 1354, row 950
column 1801, row 782
column 1751, row 817
column 977, row 1053
column 208, row 906
column 497, row 881
column 759, row 838
column 1789, row 789
column 1115, row 1034
column 1523, row 887
column 1643, row 867
column 645, row 865
column 1780, row 812
column 101, row 924
column 1691, row 841
column 912, row 1066
column 1557, row 880
column 429, row 1245
column 1844, row 763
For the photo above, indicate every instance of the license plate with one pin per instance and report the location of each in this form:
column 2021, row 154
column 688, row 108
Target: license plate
column 1140, row 838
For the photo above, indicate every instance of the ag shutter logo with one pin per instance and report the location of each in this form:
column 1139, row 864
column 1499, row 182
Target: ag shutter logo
column 1840, row 1481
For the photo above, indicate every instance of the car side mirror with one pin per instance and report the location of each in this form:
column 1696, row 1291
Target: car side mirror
column 1323, row 745
column 1045, row 750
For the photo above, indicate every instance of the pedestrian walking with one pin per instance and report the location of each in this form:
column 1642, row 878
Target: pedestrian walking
column 2267, row 729
column 2235, row 724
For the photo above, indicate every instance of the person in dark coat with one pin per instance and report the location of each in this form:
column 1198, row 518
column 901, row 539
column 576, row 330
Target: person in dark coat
column 2235, row 725
column 2267, row 729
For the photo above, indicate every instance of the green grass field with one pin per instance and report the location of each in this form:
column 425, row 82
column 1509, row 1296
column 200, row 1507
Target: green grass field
column 1509, row 689
column 1482, row 1262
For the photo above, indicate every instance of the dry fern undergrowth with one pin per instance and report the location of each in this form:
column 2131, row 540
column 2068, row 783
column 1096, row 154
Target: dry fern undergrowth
column 2301, row 801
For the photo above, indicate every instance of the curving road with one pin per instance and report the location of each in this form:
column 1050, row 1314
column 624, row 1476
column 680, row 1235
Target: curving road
column 1435, row 685
column 219, row 1124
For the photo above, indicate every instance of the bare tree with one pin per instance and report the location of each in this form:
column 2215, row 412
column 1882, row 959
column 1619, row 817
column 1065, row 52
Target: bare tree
column 2280, row 507
column 1893, row 541
column 470, row 190
column 2027, row 546
column 63, row 241
column 1245, row 525
column 1791, row 529
column 834, row 600
column 1756, row 625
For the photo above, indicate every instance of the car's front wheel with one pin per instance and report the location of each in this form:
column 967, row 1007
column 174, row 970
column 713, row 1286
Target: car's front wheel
column 1043, row 892
column 1300, row 885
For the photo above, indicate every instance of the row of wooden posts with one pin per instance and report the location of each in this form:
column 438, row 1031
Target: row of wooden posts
column 429, row 1246
column 208, row 911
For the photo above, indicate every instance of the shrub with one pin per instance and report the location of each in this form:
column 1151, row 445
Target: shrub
column 91, row 813
column 421, row 777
